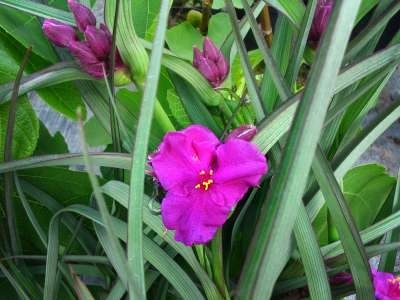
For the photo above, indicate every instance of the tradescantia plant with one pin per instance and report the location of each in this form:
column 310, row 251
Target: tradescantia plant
column 228, row 172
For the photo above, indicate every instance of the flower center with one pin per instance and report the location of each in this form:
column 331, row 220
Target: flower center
column 205, row 180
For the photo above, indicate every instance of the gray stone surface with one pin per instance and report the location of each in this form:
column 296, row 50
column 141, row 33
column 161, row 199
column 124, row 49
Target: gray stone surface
column 386, row 149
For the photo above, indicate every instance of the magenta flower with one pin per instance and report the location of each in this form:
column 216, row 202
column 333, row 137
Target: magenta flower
column 387, row 286
column 211, row 63
column 204, row 179
column 321, row 17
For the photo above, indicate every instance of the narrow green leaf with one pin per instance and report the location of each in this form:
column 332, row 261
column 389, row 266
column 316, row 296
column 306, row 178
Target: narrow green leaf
column 136, row 188
column 279, row 212
column 248, row 72
column 40, row 10
column 294, row 10
column 346, row 226
column 120, row 192
column 311, row 257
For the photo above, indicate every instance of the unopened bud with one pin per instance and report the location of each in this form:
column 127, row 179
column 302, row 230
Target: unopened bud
column 59, row 33
column 194, row 17
column 210, row 51
column 83, row 15
column 341, row 278
column 211, row 63
column 243, row 132
column 320, row 21
column 83, row 52
column 98, row 41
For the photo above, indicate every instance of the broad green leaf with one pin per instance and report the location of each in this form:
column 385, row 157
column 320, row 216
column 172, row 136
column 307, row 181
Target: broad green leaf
column 366, row 189
column 62, row 97
column 27, row 30
column 47, row 143
column 95, row 133
column 182, row 38
column 144, row 14
column 219, row 28
column 26, row 129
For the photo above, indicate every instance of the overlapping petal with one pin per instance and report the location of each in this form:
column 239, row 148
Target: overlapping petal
column 181, row 156
column 195, row 219
column 387, row 286
column 239, row 161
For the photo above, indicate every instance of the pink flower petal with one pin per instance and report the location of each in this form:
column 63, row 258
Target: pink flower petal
column 191, row 218
column 181, row 156
column 239, row 161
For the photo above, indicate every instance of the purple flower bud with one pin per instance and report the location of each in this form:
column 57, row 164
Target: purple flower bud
column 107, row 32
column 341, row 278
column 223, row 68
column 98, row 41
column 96, row 70
column 82, row 52
column 210, row 51
column 59, row 33
column 321, row 17
column 87, row 59
column 243, row 132
column 211, row 63
column 82, row 14
column 206, row 67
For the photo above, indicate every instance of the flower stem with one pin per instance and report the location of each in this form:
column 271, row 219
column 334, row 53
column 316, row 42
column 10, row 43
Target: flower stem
column 217, row 264
column 206, row 11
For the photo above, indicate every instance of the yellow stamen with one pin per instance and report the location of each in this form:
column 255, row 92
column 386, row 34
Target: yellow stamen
column 207, row 183
column 202, row 172
column 197, row 186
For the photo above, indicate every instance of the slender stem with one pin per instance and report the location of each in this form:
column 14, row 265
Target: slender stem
column 8, row 177
column 217, row 263
column 115, row 134
column 206, row 4
column 266, row 26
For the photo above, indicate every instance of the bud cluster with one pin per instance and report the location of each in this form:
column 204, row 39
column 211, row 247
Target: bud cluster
column 211, row 63
column 92, row 52
column 320, row 21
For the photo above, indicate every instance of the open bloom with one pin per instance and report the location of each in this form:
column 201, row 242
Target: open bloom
column 203, row 179
column 387, row 286
column 321, row 17
column 211, row 63
column 92, row 52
